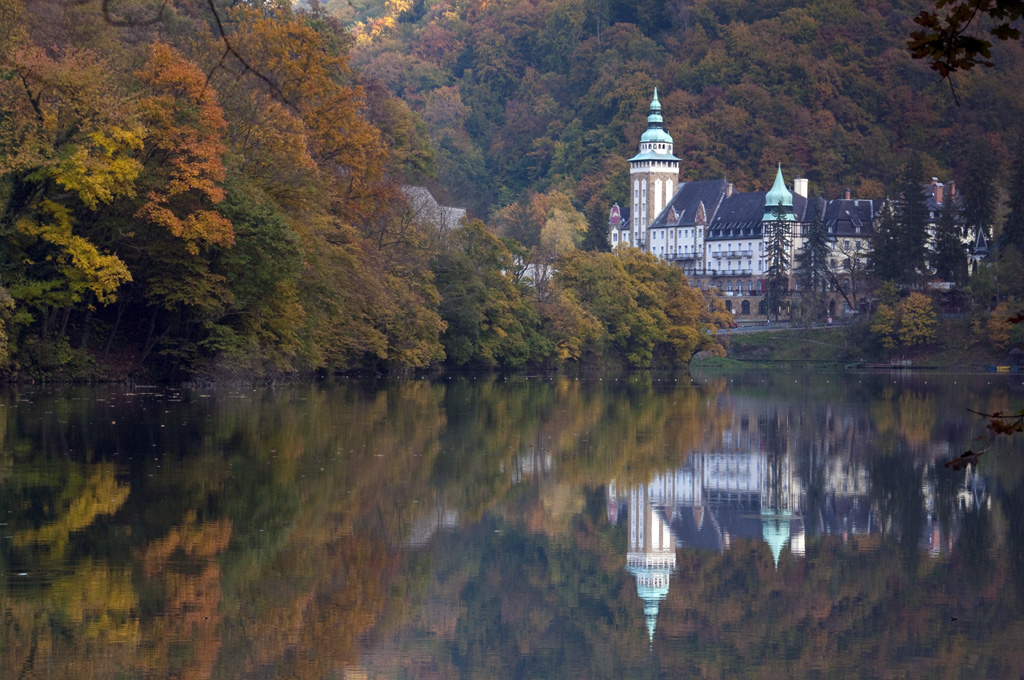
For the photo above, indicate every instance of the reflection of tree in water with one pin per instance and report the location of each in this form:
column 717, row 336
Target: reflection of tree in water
column 323, row 489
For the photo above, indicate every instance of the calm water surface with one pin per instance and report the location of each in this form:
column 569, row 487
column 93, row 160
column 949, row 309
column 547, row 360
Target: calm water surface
column 771, row 525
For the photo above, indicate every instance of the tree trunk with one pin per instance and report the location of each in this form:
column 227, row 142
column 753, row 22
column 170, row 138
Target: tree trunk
column 113, row 331
column 86, row 325
column 64, row 322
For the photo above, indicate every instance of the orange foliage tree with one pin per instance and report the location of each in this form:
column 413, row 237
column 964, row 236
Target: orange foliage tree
column 184, row 151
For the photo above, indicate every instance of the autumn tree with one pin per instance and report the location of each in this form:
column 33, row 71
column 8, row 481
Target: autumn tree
column 184, row 151
column 951, row 41
column 68, row 150
column 998, row 327
column 906, row 324
column 488, row 324
column 918, row 321
column 646, row 309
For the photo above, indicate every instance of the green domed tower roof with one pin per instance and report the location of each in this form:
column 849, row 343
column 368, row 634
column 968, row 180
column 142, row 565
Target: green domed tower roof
column 778, row 196
column 655, row 132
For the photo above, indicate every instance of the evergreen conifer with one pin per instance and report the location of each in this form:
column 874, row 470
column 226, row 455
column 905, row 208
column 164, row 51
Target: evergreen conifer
column 950, row 253
column 778, row 260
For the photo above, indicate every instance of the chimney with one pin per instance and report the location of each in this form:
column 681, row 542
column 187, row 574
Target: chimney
column 846, row 194
column 800, row 186
column 937, row 192
column 729, row 190
column 952, row 189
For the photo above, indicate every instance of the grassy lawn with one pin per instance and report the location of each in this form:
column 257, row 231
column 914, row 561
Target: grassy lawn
column 843, row 345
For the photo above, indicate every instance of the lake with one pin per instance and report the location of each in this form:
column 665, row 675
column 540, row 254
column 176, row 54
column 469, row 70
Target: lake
column 763, row 524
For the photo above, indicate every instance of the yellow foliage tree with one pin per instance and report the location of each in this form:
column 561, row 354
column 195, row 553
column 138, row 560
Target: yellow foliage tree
column 83, row 267
column 885, row 326
column 68, row 145
column 999, row 326
column 917, row 320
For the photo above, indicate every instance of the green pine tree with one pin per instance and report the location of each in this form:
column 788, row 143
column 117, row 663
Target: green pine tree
column 884, row 258
column 911, row 235
column 813, row 270
column 949, row 257
column 598, row 230
column 777, row 253
column 1013, row 229
column 978, row 196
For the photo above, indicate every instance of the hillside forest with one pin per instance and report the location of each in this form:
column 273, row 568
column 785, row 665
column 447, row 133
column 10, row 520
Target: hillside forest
column 215, row 188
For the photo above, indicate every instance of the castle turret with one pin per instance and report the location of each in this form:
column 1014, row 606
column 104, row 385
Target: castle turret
column 653, row 174
column 778, row 202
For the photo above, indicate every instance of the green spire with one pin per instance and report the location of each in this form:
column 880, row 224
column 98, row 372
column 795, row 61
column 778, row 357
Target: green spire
column 655, row 132
column 778, row 196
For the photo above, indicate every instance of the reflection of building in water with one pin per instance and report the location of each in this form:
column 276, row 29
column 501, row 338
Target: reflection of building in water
column 711, row 499
column 846, row 509
column 652, row 554
column 746, row 485
column 716, row 497
column 432, row 519
column 971, row 495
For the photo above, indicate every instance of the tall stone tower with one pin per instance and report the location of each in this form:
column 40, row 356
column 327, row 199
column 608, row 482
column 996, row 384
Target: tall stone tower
column 653, row 174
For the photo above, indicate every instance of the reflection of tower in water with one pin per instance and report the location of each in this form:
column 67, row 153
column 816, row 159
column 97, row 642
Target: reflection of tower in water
column 780, row 499
column 713, row 497
column 651, row 558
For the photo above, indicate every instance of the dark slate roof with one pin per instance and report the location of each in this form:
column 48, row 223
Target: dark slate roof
column 740, row 215
column 682, row 209
column 845, row 215
column 803, row 207
column 715, row 521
